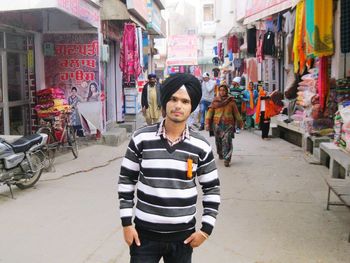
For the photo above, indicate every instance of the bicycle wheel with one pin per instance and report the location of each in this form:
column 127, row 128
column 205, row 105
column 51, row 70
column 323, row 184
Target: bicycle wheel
column 72, row 141
column 50, row 147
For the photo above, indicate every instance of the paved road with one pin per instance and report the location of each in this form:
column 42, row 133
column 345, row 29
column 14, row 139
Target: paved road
column 273, row 211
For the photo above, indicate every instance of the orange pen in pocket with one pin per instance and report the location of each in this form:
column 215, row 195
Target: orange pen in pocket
column 189, row 168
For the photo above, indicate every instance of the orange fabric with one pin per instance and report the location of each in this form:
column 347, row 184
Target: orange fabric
column 243, row 107
column 271, row 109
column 257, row 114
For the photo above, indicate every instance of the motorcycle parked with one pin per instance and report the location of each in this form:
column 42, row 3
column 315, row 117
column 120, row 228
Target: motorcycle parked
column 22, row 162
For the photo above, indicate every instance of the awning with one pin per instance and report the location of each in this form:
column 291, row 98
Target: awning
column 205, row 60
column 270, row 11
column 116, row 10
column 88, row 11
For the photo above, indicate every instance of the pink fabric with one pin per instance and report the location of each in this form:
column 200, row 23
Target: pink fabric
column 252, row 70
column 220, row 53
column 129, row 57
column 323, row 82
column 259, row 50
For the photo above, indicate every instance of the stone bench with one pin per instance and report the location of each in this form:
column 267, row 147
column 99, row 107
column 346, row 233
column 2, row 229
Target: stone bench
column 313, row 142
column 335, row 159
column 340, row 188
column 291, row 133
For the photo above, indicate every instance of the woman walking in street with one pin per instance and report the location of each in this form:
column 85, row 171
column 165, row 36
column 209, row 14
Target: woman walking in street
column 267, row 107
column 250, row 97
column 222, row 118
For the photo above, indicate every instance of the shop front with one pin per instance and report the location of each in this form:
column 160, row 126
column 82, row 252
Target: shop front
column 16, row 67
column 48, row 44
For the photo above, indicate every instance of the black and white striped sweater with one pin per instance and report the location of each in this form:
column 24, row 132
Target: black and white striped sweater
column 166, row 198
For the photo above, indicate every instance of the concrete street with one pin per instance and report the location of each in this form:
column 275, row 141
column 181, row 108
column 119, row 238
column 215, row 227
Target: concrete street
column 273, row 211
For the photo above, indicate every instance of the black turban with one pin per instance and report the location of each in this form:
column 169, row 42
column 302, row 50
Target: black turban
column 175, row 82
column 152, row 75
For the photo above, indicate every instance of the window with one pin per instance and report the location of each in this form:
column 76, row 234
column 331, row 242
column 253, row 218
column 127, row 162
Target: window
column 208, row 12
column 16, row 42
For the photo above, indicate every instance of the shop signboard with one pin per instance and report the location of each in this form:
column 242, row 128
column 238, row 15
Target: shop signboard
column 82, row 9
column 154, row 17
column 75, row 64
column 138, row 8
column 256, row 6
column 86, row 10
column 182, row 50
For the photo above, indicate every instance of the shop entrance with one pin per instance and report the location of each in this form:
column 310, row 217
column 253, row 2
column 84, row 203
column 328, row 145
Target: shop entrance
column 15, row 117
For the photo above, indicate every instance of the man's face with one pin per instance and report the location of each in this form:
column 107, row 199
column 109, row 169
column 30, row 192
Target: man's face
column 152, row 81
column 206, row 79
column 178, row 108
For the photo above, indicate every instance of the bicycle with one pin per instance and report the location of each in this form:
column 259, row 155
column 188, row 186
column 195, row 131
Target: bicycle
column 60, row 133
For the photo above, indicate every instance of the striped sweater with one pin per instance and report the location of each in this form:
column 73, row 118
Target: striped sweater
column 166, row 198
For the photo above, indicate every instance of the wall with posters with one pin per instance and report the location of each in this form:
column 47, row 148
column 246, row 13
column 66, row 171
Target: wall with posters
column 74, row 63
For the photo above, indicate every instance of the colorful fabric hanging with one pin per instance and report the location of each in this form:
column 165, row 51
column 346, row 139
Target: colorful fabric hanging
column 233, row 44
column 299, row 35
column 323, row 36
column 129, row 56
column 310, row 26
column 323, row 81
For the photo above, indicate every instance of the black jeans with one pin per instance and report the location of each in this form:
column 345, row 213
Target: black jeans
column 152, row 251
column 264, row 125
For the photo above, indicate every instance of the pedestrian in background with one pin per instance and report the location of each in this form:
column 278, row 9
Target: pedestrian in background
column 250, row 97
column 267, row 107
column 162, row 163
column 208, row 86
column 150, row 100
column 236, row 92
column 222, row 118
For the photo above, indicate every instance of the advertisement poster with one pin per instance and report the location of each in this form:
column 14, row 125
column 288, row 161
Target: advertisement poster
column 74, row 62
column 182, row 50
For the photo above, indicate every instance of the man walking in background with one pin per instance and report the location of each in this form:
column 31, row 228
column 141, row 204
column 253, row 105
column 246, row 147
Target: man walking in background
column 150, row 100
column 161, row 164
column 208, row 86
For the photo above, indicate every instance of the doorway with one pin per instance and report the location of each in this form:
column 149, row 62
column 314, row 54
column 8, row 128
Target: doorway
column 15, row 114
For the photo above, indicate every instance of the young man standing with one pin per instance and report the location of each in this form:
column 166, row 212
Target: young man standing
column 162, row 164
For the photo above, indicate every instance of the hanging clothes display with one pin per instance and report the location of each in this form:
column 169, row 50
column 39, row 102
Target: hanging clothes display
column 323, row 28
column 251, row 41
column 310, row 26
column 129, row 56
column 259, row 49
column 289, row 29
column 299, row 55
column 269, row 44
column 140, row 45
column 345, row 26
column 252, row 70
column 323, row 81
column 220, row 53
column 233, row 44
